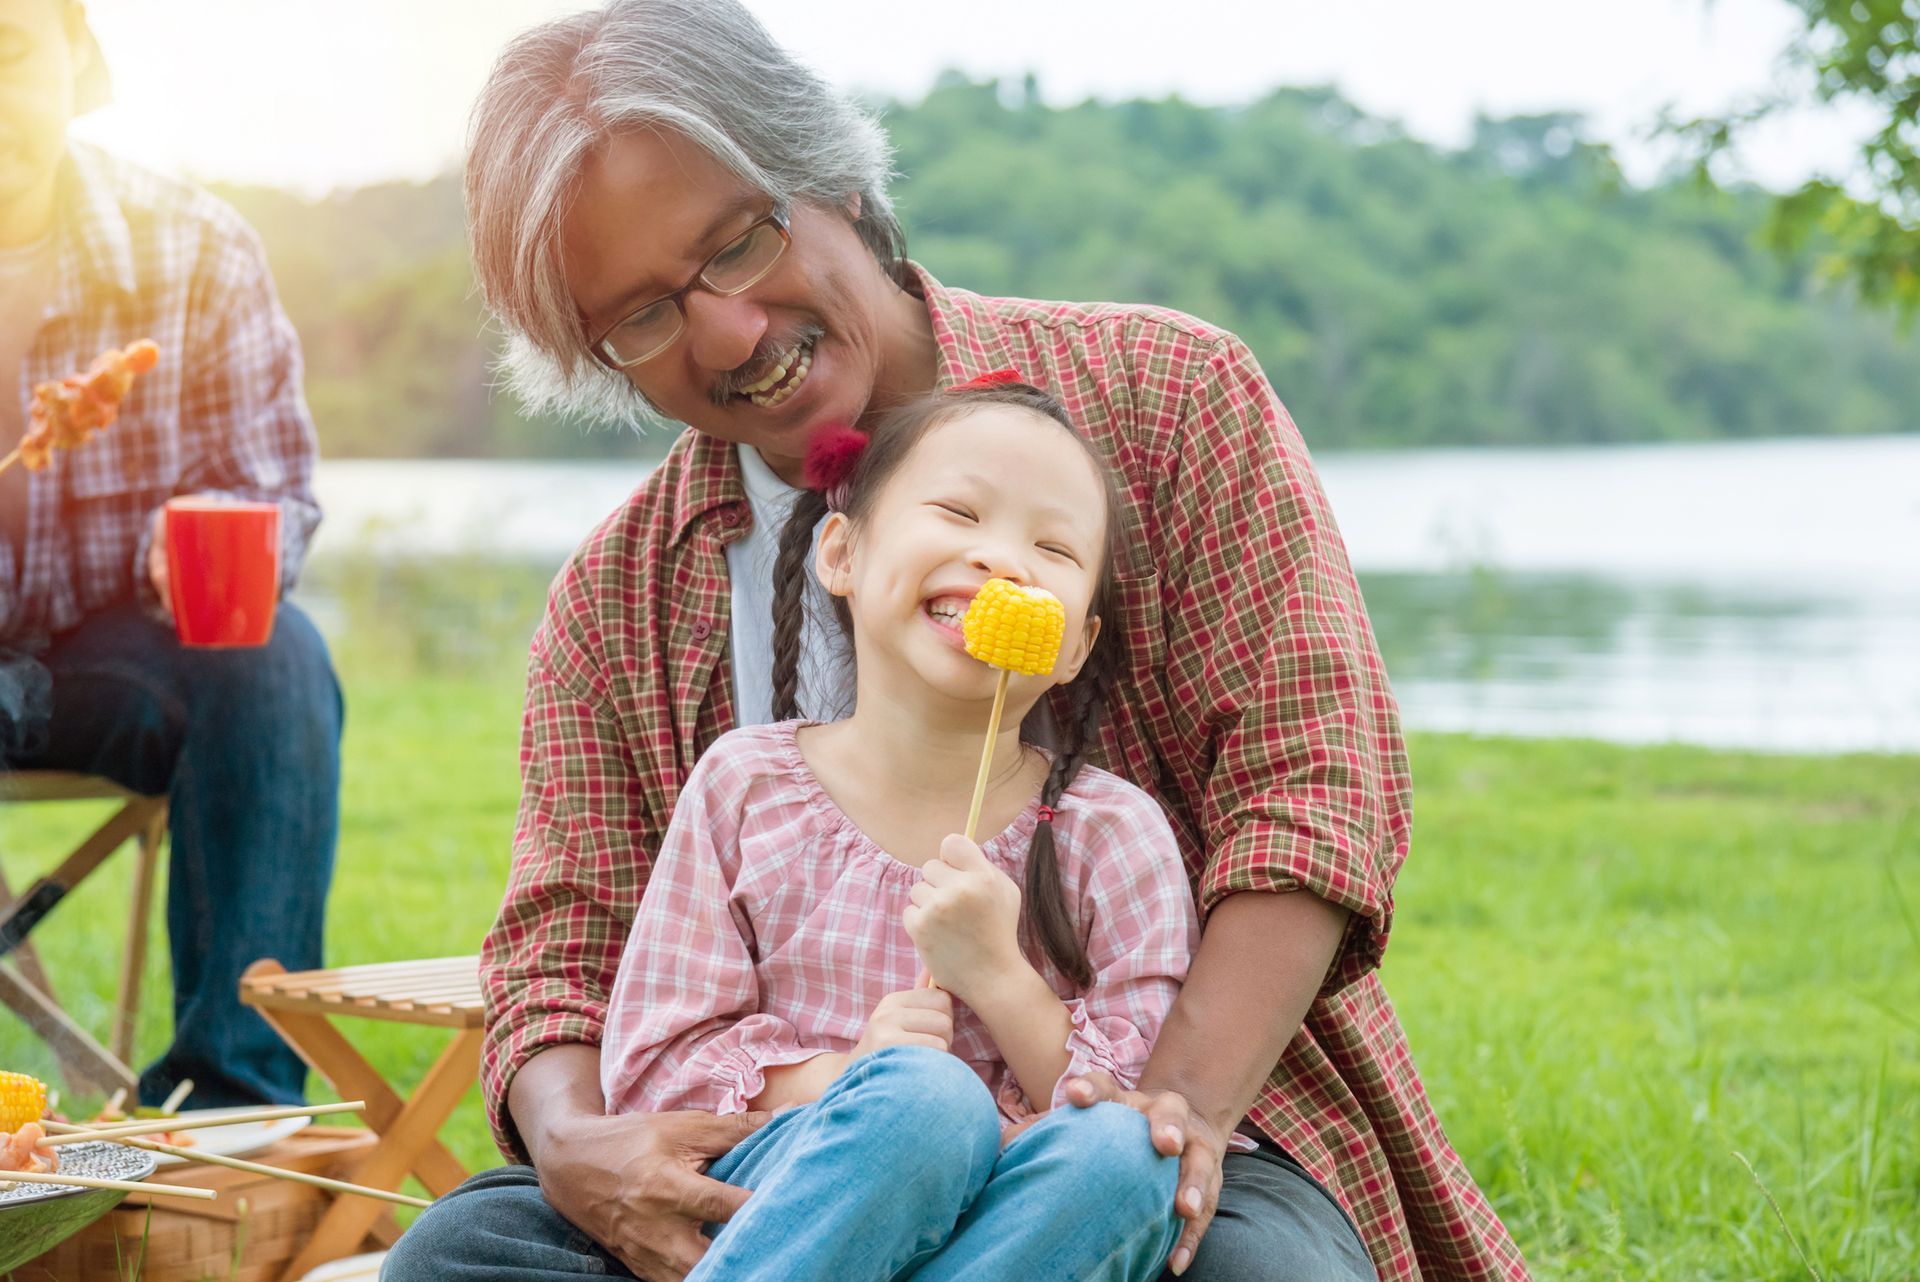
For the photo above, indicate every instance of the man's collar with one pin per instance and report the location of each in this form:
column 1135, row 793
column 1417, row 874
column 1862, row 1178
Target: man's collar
column 96, row 245
column 709, row 478
column 969, row 347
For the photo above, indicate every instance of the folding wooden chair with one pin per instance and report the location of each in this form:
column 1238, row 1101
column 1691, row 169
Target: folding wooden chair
column 24, row 984
column 443, row 993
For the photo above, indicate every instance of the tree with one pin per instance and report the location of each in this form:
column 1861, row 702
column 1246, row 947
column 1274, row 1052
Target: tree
column 1864, row 52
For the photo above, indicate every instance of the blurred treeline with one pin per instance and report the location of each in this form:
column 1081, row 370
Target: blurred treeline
column 1517, row 291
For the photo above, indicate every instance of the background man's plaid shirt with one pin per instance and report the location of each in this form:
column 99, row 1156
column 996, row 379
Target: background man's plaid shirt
column 1254, row 708
column 139, row 256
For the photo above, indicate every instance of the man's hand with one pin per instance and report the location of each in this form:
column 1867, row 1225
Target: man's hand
column 634, row 1183
column 965, row 918
column 1177, row 1131
column 916, row 1017
column 157, row 561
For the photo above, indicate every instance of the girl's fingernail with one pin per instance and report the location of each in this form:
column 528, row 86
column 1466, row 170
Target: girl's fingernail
column 1179, row 1262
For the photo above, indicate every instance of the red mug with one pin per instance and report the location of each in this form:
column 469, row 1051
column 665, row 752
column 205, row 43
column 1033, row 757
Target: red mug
column 223, row 571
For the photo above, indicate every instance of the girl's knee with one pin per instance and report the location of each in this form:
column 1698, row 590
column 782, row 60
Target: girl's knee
column 936, row 1088
column 931, row 1103
column 1113, row 1157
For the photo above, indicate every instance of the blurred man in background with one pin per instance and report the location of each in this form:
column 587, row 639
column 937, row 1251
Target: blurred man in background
column 95, row 253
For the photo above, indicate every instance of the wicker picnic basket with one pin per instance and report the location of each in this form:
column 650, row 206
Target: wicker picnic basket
column 250, row 1233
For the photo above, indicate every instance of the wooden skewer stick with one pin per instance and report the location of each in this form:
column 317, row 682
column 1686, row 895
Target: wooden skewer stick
column 986, row 755
column 260, row 1168
column 986, row 766
column 88, row 1182
column 10, row 459
column 68, row 1133
column 180, row 1093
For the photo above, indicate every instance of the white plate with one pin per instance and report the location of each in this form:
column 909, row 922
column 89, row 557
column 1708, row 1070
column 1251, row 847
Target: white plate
column 355, row 1268
column 239, row 1140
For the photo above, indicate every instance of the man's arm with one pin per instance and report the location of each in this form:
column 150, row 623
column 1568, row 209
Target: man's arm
column 1302, row 801
column 1261, row 963
column 632, row 1182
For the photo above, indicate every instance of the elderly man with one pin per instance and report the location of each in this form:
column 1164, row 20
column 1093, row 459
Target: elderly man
column 95, row 253
column 666, row 208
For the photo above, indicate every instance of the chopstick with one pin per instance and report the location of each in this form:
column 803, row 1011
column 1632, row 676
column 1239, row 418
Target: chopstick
column 89, row 1182
column 69, row 1133
column 298, row 1177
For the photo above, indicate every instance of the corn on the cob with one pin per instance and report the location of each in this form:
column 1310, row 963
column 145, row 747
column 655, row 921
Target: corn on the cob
column 23, row 1099
column 1016, row 628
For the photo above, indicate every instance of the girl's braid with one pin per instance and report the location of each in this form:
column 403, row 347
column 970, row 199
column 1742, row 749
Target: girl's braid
column 790, row 571
column 1048, row 919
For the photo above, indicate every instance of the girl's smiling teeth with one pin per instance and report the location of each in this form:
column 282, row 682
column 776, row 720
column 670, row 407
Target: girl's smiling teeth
column 783, row 380
column 947, row 611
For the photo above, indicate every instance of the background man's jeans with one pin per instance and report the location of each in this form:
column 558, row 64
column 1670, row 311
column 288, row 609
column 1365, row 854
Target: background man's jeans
column 246, row 745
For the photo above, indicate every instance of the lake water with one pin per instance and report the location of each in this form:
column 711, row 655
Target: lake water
column 1759, row 595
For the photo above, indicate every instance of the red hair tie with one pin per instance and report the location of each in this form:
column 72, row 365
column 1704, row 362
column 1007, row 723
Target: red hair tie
column 1047, row 814
column 993, row 378
column 830, row 459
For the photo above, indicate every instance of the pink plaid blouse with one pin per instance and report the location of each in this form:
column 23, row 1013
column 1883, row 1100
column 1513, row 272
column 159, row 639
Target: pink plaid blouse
column 771, row 926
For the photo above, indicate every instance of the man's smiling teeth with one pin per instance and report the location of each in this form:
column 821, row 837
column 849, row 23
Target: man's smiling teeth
column 770, row 391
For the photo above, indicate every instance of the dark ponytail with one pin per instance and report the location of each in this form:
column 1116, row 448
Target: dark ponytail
column 1048, row 921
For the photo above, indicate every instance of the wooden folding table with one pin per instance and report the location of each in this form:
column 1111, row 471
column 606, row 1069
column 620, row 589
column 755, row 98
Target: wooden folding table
column 301, row 1006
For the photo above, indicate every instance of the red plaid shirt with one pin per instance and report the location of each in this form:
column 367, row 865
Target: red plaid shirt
column 1254, row 708
column 140, row 256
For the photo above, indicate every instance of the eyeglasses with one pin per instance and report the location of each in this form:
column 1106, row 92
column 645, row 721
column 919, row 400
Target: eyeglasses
column 651, row 328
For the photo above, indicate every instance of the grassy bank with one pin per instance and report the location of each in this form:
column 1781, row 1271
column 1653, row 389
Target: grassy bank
column 1618, row 968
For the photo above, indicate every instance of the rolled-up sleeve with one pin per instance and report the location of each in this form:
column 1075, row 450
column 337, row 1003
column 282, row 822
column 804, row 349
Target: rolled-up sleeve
column 1275, row 668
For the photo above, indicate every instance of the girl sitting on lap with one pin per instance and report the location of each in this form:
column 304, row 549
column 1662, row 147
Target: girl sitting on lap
column 811, row 879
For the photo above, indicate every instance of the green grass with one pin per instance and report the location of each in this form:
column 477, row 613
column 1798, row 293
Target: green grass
column 1618, row 968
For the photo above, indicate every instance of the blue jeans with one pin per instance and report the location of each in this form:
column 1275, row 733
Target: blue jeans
column 246, row 746
column 895, row 1172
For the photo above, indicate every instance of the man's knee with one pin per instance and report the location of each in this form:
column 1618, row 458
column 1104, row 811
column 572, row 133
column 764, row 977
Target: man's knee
column 1241, row 1250
column 1275, row 1224
column 495, row 1226
column 289, row 678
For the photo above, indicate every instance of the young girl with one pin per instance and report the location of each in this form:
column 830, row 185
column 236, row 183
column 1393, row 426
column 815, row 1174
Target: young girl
column 815, row 939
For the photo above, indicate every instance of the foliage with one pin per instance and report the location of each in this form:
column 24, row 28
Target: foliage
column 1514, row 291
column 1863, row 53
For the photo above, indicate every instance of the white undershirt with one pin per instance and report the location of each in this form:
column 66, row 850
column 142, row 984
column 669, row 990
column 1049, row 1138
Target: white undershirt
column 826, row 660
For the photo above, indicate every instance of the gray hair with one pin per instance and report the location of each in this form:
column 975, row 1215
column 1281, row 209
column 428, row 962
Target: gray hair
column 706, row 69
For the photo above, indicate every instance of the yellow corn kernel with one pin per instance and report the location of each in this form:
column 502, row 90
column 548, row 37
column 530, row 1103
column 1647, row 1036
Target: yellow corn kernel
column 23, row 1099
column 1015, row 628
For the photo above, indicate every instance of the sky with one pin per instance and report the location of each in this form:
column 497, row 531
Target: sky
column 319, row 94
